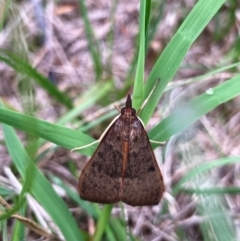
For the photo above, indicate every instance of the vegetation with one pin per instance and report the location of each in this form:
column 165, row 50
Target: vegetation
column 63, row 66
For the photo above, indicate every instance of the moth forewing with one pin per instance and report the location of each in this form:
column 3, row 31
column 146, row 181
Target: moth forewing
column 100, row 179
column 152, row 141
column 143, row 183
column 109, row 126
column 101, row 137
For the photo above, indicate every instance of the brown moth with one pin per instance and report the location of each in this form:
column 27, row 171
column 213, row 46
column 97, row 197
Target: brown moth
column 123, row 167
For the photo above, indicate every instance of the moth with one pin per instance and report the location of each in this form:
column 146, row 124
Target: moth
column 123, row 167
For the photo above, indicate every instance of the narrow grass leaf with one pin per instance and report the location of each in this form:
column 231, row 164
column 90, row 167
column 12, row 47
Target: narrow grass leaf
column 147, row 15
column 157, row 14
column 107, row 116
column 203, row 77
column 187, row 114
column 172, row 56
column 102, row 222
column 86, row 101
column 139, row 79
column 212, row 191
column 24, row 68
column 19, row 230
column 218, row 224
column 119, row 229
column 41, row 189
column 57, row 134
column 203, row 168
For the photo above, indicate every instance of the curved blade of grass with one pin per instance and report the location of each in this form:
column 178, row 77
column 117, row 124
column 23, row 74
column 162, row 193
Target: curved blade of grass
column 139, row 79
column 24, row 68
column 147, row 15
column 172, row 56
column 41, row 189
column 4, row 191
column 9, row 212
column 4, row 230
column 202, row 77
column 149, row 36
column 117, row 226
column 187, row 114
column 203, row 168
column 19, row 230
column 218, row 224
column 157, row 14
column 59, row 135
column 213, row 191
column 87, row 100
column 100, row 119
column 102, row 222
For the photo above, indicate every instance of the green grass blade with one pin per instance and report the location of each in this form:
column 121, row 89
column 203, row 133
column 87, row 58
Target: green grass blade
column 218, row 224
column 109, row 115
column 19, row 230
column 139, row 79
column 102, row 222
column 203, row 77
column 86, row 101
column 41, row 189
column 59, row 135
column 187, row 114
column 147, row 15
column 172, row 56
column 24, row 68
column 158, row 8
column 213, row 191
column 203, row 168
column 4, row 231
column 119, row 228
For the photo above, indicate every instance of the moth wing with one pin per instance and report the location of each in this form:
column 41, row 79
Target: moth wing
column 143, row 182
column 100, row 179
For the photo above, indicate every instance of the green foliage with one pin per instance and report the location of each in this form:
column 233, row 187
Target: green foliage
column 163, row 71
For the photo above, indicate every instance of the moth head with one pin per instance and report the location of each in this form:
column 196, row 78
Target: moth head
column 128, row 111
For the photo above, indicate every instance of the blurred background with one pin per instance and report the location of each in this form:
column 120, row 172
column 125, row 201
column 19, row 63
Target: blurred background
column 88, row 51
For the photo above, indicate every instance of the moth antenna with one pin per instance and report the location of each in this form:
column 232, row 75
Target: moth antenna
column 85, row 146
column 145, row 102
column 117, row 107
column 158, row 142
